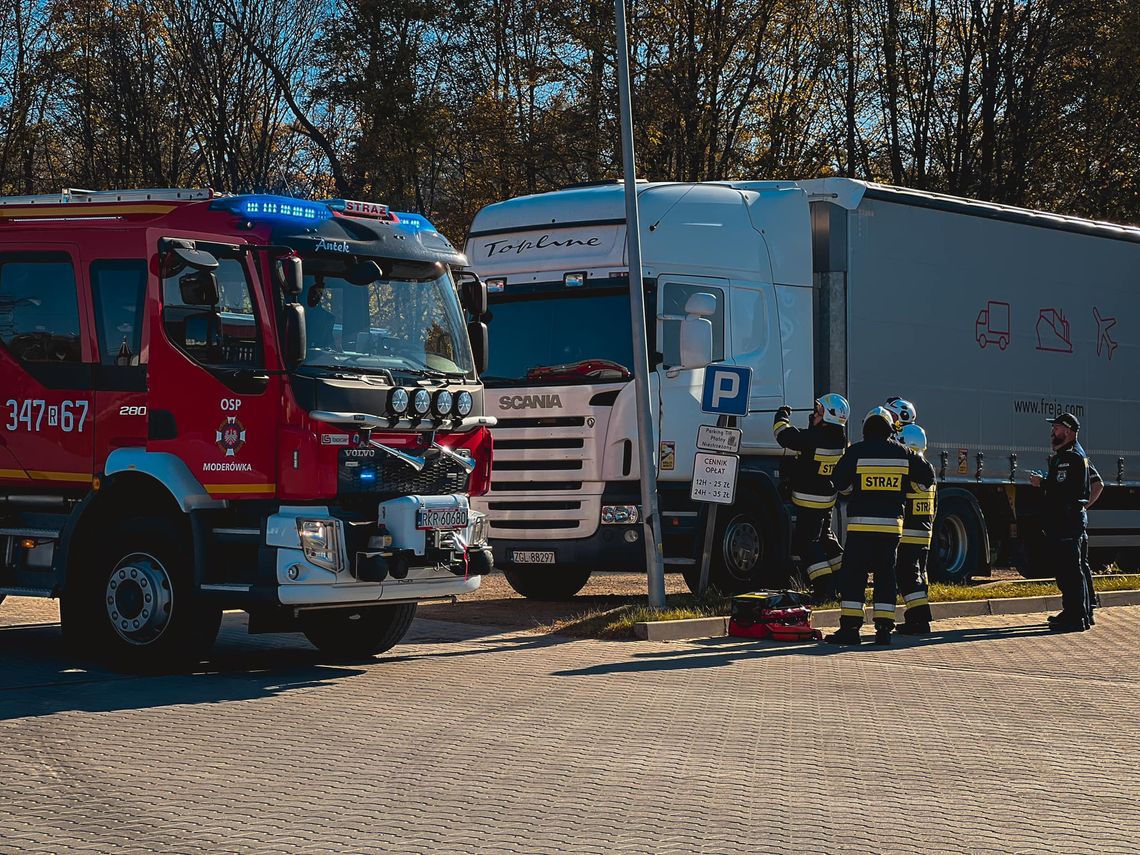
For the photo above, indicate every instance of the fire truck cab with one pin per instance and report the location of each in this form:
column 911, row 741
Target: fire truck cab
column 252, row 402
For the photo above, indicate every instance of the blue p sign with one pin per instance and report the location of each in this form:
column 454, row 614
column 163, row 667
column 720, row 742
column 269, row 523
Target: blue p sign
column 726, row 390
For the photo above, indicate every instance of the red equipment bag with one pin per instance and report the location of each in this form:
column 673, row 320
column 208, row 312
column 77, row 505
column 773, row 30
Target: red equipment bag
column 779, row 615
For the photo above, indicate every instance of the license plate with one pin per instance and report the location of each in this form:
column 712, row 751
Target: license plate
column 520, row 557
column 435, row 518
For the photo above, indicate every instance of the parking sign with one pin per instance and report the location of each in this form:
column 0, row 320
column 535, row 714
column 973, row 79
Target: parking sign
column 726, row 390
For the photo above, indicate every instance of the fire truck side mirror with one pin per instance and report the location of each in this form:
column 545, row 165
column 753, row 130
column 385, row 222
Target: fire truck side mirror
column 291, row 274
column 473, row 295
column 293, row 335
column 477, row 332
column 199, row 288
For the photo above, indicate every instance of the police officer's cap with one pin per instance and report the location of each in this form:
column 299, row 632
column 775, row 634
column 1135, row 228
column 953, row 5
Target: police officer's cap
column 1067, row 420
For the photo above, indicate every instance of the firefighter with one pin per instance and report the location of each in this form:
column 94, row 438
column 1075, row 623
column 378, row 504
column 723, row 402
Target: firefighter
column 818, row 448
column 877, row 474
column 1066, row 492
column 902, row 411
column 914, row 545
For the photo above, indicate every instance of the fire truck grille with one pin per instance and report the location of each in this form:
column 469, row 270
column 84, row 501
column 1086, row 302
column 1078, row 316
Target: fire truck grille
column 375, row 472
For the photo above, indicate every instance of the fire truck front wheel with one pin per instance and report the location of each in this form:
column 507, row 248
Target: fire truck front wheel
column 358, row 632
column 134, row 604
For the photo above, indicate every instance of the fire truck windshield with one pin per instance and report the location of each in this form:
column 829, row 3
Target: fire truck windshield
column 550, row 337
column 391, row 325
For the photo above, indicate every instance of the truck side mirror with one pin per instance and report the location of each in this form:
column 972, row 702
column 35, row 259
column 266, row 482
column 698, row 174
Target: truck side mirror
column 294, row 339
column 477, row 332
column 291, row 274
column 199, row 288
column 696, row 331
column 473, row 294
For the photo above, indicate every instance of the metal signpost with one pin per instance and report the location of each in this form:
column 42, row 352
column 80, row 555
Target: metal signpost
column 654, row 558
column 717, row 461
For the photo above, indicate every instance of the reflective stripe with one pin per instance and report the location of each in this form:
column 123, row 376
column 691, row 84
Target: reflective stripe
column 851, row 612
column 885, row 607
column 829, row 452
column 915, row 596
column 916, row 539
column 817, row 570
column 836, row 562
column 881, row 524
column 921, row 494
column 893, row 462
column 884, row 615
column 779, row 427
column 807, row 500
column 851, row 604
column 916, row 603
column 847, row 491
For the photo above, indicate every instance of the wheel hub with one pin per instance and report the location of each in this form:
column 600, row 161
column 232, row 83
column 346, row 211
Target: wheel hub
column 952, row 545
column 139, row 598
column 741, row 548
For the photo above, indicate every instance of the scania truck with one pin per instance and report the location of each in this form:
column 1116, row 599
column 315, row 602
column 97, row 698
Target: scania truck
column 245, row 402
column 990, row 318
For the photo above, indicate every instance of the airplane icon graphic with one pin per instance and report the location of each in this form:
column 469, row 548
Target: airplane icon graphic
column 1103, row 339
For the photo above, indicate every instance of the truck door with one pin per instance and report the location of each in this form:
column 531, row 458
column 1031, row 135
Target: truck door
column 212, row 399
column 680, row 410
column 755, row 341
column 46, row 360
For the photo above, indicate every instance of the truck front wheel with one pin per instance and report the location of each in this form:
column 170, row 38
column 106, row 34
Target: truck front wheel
column 135, row 604
column 743, row 542
column 549, row 583
column 358, row 632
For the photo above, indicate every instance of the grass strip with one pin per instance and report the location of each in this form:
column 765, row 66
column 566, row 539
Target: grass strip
column 617, row 622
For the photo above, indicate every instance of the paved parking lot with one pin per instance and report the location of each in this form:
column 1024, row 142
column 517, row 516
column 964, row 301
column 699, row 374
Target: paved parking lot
column 992, row 737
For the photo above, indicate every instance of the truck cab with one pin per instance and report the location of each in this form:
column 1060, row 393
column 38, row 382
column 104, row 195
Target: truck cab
column 564, row 499
column 235, row 402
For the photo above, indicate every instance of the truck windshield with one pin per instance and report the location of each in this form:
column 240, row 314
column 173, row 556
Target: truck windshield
column 389, row 325
column 555, row 337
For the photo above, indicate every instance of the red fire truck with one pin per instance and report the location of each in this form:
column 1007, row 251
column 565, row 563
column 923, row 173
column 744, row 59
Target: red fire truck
column 249, row 402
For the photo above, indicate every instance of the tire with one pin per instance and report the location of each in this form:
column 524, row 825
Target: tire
column 957, row 542
column 135, row 606
column 744, row 545
column 551, row 584
column 360, row 632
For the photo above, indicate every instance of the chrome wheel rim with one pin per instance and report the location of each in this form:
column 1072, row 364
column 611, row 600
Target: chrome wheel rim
column 741, row 548
column 139, row 598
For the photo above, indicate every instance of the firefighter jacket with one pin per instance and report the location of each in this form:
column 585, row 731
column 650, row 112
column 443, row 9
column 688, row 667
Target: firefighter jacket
column 918, row 515
column 878, row 475
column 1067, row 489
column 818, row 448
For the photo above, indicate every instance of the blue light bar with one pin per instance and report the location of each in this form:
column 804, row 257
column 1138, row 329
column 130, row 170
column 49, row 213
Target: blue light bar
column 279, row 208
column 417, row 222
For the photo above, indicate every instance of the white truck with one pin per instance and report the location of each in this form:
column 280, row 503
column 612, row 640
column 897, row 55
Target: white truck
column 990, row 318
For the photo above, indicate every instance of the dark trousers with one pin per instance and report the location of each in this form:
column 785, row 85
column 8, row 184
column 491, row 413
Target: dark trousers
column 910, row 573
column 868, row 552
column 820, row 553
column 1086, row 575
column 1066, row 554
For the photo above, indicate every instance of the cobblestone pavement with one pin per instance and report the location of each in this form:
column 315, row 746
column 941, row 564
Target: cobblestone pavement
column 991, row 737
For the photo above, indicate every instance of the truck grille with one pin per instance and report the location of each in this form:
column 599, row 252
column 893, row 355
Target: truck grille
column 375, row 472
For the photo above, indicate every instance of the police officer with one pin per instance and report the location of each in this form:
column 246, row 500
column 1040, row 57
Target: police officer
column 877, row 474
column 914, row 545
column 1066, row 492
column 818, row 448
column 1096, row 487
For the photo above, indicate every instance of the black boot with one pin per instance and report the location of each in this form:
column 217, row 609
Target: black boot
column 883, row 633
column 913, row 628
column 846, row 635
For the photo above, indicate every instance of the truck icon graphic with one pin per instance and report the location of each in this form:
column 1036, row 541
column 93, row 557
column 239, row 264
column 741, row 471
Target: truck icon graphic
column 1053, row 331
column 992, row 326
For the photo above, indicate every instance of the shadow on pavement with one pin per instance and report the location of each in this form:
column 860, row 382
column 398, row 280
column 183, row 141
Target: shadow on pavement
column 718, row 652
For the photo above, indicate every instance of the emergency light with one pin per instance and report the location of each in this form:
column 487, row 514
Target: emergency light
column 279, row 208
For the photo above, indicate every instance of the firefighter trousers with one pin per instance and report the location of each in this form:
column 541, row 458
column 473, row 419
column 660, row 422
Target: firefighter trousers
column 868, row 552
column 820, row 553
column 910, row 574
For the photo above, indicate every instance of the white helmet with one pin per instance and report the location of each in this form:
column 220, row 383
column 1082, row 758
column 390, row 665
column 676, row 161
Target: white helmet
column 913, row 437
column 879, row 413
column 835, row 408
column 903, row 412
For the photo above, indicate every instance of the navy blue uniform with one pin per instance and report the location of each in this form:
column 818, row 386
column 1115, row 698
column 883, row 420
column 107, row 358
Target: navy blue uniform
column 1066, row 489
column 877, row 474
column 818, row 448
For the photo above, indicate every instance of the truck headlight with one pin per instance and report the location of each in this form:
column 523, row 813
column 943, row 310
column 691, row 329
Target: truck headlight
column 620, row 514
column 320, row 541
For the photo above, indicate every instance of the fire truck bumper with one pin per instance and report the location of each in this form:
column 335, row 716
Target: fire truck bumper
column 319, row 558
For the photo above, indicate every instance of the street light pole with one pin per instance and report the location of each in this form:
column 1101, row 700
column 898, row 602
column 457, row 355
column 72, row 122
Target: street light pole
column 651, row 517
